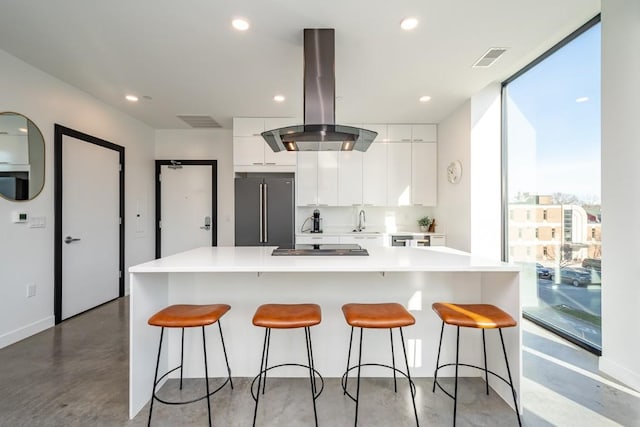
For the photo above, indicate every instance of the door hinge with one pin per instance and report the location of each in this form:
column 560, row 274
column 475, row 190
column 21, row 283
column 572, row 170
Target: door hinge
column 159, row 177
column 120, row 221
column 160, row 224
column 120, row 274
column 120, row 167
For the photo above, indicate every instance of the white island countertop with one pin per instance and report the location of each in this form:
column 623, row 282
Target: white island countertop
column 259, row 259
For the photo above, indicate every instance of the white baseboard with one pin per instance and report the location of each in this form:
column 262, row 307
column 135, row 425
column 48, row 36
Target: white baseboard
column 26, row 331
column 620, row 373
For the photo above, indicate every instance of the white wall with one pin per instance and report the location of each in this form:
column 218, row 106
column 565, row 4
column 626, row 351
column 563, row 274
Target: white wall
column 485, row 172
column 620, row 190
column 205, row 144
column 26, row 254
column 453, row 212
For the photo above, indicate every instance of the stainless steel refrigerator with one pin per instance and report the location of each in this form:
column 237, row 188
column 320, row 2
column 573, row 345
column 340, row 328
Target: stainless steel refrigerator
column 264, row 209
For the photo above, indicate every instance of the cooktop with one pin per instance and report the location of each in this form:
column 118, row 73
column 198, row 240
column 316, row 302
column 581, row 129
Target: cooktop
column 321, row 250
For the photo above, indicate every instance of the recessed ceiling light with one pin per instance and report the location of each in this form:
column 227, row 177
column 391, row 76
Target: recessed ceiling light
column 131, row 98
column 582, row 99
column 240, row 24
column 425, row 98
column 279, row 98
column 409, row 23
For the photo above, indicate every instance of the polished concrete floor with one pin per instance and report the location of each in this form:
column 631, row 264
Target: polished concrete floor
column 76, row 374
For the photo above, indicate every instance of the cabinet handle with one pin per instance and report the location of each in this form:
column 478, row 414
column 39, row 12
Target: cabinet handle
column 405, row 140
column 311, row 204
column 323, row 204
column 418, row 140
column 257, row 163
column 256, row 134
column 268, row 163
column 418, row 204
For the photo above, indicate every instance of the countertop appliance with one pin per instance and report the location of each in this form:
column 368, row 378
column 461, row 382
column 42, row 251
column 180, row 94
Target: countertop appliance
column 317, row 222
column 320, row 250
column 264, row 209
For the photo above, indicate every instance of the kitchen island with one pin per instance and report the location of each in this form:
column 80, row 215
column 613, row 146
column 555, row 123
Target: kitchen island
column 246, row 277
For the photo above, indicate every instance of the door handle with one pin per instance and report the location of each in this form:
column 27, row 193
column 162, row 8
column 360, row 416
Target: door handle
column 70, row 239
column 207, row 223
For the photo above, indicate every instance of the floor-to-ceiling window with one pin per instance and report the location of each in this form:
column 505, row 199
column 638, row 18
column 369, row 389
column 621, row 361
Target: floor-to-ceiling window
column 552, row 214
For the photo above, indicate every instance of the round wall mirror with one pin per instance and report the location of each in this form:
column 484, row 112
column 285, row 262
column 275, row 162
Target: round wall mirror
column 21, row 157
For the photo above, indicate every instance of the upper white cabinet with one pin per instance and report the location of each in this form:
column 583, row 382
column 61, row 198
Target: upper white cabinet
column 374, row 175
column 350, row 178
column 251, row 152
column 317, row 178
column 412, row 133
column 424, row 163
column 399, row 174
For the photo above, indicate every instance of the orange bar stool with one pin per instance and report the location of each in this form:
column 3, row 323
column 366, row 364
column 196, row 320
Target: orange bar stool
column 287, row 316
column 377, row 316
column 189, row 316
column 479, row 316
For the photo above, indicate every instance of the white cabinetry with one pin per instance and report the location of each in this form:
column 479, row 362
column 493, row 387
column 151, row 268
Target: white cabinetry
column 374, row 175
column 366, row 241
column 317, row 178
column 399, row 174
column 251, row 152
column 412, row 133
column 424, row 162
column 350, row 178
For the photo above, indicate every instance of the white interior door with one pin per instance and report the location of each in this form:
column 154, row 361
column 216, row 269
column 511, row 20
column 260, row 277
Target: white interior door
column 90, row 223
column 185, row 208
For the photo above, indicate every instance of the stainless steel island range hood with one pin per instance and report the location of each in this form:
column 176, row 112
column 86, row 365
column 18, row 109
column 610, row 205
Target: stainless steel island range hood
column 319, row 131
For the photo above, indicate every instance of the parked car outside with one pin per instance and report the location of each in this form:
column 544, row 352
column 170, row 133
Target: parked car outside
column 574, row 276
column 543, row 272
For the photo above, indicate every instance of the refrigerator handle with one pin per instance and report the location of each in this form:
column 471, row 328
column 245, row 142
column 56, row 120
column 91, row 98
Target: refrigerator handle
column 261, row 215
column 264, row 215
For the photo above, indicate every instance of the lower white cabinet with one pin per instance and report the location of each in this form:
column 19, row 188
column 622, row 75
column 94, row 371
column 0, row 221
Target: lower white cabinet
column 365, row 241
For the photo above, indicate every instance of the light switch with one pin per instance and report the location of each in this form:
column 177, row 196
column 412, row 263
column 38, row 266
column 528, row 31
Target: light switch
column 37, row 222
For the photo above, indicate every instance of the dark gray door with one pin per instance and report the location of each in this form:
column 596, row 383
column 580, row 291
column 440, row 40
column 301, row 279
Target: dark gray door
column 279, row 207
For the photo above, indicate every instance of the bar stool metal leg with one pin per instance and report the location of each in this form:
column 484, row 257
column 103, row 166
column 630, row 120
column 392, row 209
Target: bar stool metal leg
column 411, row 386
column 358, row 382
column 307, row 334
column 486, row 371
column 181, row 356
column 346, row 379
column 206, row 375
column 155, row 377
column 435, row 373
column 266, row 360
column 513, row 390
column 224, row 350
column 262, row 366
column 393, row 360
column 455, row 389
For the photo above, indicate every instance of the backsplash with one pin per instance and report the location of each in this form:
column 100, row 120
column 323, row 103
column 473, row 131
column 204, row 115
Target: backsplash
column 383, row 219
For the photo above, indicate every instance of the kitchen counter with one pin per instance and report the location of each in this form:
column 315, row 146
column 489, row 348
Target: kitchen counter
column 246, row 277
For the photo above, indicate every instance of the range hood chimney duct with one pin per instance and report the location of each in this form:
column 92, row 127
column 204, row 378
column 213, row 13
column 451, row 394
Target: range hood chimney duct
column 320, row 131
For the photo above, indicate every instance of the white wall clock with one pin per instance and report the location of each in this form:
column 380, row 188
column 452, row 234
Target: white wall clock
column 454, row 172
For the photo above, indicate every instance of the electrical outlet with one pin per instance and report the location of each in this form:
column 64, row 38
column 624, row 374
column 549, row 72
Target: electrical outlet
column 31, row 290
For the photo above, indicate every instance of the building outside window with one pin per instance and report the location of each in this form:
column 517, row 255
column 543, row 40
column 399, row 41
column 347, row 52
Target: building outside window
column 552, row 143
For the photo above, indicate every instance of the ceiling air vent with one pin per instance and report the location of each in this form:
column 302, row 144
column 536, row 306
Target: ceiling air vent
column 489, row 57
column 199, row 121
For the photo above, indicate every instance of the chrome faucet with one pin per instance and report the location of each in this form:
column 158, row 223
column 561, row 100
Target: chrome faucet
column 361, row 220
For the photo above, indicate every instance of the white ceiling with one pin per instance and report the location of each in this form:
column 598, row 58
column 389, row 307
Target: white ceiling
column 186, row 56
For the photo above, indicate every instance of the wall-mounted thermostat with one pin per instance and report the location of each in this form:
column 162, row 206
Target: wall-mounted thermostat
column 19, row 217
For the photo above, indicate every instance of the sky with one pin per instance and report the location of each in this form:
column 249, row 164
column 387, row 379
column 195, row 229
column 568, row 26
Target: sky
column 553, row 131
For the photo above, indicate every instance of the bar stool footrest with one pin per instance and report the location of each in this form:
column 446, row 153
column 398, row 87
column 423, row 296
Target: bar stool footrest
column 185, row 402
column 344, row 377
column 315, row 374
column 480, row 368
